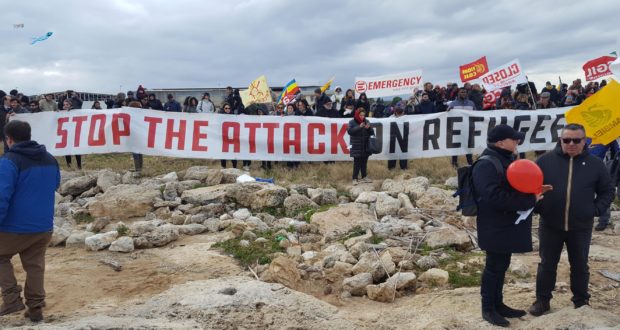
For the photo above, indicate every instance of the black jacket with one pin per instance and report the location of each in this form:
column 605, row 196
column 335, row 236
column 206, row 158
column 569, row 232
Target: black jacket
column 425, row 108
column 359, row 139
column 328, row 113
column 498, row 204
column 476, row 97
column 362, row 104
column 320, row 101
column 589, row 186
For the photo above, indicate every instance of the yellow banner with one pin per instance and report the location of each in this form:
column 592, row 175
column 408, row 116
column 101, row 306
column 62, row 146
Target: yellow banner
column 599, row 114
column 257, row 92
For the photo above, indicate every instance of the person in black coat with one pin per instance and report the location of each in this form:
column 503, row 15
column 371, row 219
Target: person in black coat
column 583, row 188
column 304, row 108
column 320, row 99
column 425, row 106
column 227, row 110
column 360, row 132
column 327, row 111
column 498, row 233
column 476, row 96
column 362, row 101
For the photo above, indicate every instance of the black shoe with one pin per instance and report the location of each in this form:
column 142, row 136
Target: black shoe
column 600, row 226
column 506, row 311
column 12, row 308
column 34, row 314
column 539, row 307
column 581, row 303
column 494, row 318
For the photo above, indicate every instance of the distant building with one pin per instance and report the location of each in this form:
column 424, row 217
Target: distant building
column 84, row 96
column 218, row 95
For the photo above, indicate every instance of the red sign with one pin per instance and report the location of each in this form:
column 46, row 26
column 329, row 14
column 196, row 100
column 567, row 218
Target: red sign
column 490, row 99
column 474, row 70
column 598, row 67
column 360, row 86
column 286, row 99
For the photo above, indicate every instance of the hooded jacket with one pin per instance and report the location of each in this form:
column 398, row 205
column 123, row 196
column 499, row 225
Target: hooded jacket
column 30, row 176
column 498, row 204
column 154, row 103
column 582, row 189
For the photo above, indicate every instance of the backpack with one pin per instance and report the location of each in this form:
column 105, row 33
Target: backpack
column 468, row 202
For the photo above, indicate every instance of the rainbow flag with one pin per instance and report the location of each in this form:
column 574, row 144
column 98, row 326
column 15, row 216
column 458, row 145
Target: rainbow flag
column 288, row 93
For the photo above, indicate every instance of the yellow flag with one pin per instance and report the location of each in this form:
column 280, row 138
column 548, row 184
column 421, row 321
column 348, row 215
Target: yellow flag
column 599, row 114
column 326, row 86
column 257, row 92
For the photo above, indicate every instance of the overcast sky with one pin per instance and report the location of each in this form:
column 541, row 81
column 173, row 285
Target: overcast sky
column 105, row 46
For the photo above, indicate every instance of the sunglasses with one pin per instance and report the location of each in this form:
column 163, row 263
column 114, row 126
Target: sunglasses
column 226, row 108
column 573, row 140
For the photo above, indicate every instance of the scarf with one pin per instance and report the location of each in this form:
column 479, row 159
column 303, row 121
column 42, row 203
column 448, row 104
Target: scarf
column 357, row 117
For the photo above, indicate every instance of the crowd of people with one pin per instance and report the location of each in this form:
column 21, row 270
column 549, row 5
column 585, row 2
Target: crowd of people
column 431, row 99
column 567, row 207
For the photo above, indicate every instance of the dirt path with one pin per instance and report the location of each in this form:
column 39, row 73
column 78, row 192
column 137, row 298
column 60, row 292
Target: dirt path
column 79, row 285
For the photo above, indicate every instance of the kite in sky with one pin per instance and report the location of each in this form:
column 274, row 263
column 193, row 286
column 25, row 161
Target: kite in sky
column 18, row 26
column 41, row 38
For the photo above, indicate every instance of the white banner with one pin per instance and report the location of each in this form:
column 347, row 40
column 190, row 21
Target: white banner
column 389, row 85
column 295, row 138
column 509, row 74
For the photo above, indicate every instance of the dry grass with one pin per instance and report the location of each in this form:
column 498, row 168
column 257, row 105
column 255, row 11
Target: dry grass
column 336, row 175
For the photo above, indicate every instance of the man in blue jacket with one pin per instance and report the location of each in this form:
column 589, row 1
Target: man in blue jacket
column 29, row 178
column 499, row 233
column 600, row 151
column 582, row 190
column 172, row 105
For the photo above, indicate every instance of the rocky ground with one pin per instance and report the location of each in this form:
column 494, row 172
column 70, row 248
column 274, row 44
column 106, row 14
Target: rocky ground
column 195, row 249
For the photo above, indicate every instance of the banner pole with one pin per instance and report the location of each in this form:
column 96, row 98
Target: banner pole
column 531, row 93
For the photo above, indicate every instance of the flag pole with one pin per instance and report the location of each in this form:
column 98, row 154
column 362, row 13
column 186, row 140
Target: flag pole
column 531, row 93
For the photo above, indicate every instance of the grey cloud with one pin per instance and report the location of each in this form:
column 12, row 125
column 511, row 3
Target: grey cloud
column 102, row 45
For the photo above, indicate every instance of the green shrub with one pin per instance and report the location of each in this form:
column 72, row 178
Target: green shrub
column 254, row 253
column 458, row 279
column 83, row 218
column 374, row 239
column 122, row 230
column 277, row 212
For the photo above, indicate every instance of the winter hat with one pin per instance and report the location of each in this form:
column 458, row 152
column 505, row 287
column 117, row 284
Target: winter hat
column 502, row 132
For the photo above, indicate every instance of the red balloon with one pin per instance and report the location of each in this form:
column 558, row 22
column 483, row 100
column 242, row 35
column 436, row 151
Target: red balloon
column 525, row 176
